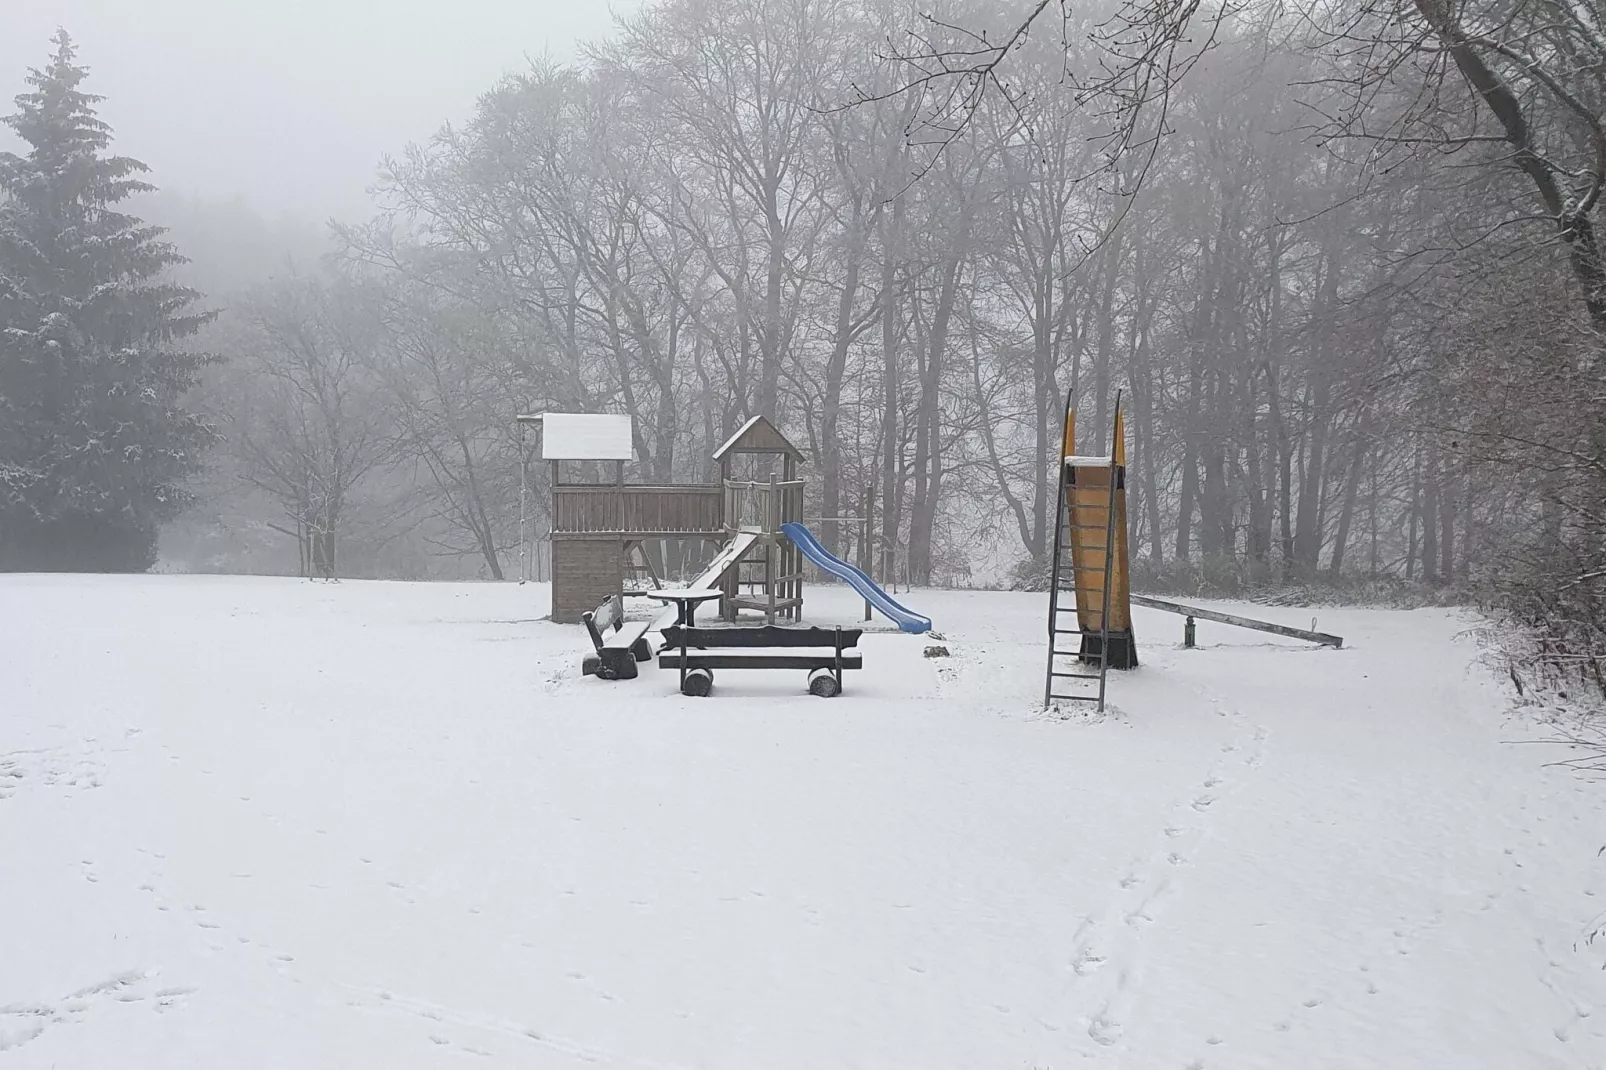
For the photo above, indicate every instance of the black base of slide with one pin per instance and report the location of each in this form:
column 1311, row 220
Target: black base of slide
column 1123, row 652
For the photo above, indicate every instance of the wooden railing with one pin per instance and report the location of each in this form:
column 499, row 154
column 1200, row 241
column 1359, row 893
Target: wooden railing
column 762, row 507
column 684, row 509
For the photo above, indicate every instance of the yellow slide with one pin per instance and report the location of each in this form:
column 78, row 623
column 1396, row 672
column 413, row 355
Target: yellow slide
column 1092, row 518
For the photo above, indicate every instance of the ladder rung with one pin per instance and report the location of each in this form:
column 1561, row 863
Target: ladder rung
column 1076, row 675
column 1073, row 698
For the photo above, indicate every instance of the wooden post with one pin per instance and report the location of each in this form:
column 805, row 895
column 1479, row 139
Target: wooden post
column 866, row 563
column 619, row 522
column 771, row 550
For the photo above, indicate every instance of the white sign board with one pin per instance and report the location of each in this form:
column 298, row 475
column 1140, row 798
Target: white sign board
column 567, row 436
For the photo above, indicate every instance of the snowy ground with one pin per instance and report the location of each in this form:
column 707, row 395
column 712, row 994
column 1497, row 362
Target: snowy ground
column 264, row 823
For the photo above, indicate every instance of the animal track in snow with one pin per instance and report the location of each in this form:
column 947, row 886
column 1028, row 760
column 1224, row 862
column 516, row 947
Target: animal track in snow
column 52, row 767
column 24, row 1022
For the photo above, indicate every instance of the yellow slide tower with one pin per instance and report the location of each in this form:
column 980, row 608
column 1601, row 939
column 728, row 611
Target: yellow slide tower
column 1090, row 587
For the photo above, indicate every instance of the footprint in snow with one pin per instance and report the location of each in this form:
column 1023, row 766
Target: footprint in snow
column 1104, row 1030
column 1086, row 962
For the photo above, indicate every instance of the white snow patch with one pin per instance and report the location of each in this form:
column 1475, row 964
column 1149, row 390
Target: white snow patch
column 383, row 824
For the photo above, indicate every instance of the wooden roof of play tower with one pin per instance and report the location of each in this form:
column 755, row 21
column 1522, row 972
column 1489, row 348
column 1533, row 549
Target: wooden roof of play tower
column 758, row 435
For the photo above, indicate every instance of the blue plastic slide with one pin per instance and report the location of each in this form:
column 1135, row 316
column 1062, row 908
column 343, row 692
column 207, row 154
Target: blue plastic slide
column 905, row 619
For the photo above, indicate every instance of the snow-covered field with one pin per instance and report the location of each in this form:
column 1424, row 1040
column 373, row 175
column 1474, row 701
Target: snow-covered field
column 266, row 823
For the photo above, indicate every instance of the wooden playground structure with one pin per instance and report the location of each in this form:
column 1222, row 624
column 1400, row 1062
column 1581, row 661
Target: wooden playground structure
column 601, row 526
column 1090, row 595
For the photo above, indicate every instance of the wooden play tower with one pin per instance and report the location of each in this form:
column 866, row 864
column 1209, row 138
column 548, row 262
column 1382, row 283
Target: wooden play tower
column 600, row 526
column 768, row 575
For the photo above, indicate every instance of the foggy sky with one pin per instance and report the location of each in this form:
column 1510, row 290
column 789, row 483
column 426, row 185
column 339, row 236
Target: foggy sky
column 288, row 104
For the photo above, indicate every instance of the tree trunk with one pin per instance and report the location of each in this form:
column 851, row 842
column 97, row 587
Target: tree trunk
column 1346, row 514
column 889, row 389
column 928, row 441
column 831, row 396
column 1430, row 516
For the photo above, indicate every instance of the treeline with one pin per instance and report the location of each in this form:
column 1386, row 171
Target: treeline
column 1341, row 273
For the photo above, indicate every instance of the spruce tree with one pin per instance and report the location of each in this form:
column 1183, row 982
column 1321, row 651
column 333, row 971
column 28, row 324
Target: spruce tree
column 95, row 445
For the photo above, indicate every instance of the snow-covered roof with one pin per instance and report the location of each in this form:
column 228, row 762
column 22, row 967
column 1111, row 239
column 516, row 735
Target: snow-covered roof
column 758, row 435
column 571, row 436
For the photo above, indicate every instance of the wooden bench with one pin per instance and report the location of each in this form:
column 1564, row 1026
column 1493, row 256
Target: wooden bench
column 616, row 655
column 823, row 652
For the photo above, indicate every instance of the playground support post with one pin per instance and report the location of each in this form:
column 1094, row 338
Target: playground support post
column 863, row 524
column 866, row 559
column 524, row 495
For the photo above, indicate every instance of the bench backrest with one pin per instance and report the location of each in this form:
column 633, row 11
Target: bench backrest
column 610, row 614
column 769, row 635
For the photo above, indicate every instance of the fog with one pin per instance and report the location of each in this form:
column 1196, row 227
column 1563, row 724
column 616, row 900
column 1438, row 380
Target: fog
column 290, row 104
column 1348, row 334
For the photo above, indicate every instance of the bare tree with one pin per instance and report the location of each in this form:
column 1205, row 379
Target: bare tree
column 306, row 425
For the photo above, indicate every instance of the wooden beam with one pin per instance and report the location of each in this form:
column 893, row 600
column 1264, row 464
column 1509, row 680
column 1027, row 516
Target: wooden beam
column 1238, row 622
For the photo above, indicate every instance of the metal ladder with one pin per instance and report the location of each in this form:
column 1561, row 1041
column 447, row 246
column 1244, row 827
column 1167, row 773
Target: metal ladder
column 1065, row 580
